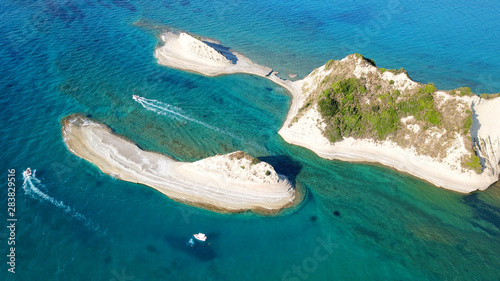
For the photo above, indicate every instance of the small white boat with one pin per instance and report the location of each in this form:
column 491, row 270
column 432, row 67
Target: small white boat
column 200, row 236
column 27, row 173
column 135, row 97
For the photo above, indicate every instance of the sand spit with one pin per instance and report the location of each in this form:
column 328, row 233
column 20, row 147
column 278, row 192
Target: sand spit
column 233, row 182
column 183, row 51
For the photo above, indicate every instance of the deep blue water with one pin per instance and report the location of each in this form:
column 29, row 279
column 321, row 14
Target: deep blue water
column 75, row 223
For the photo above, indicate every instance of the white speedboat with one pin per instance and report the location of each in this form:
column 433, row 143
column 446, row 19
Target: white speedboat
column 135, row 97
column 27, row 173
column 200, row 236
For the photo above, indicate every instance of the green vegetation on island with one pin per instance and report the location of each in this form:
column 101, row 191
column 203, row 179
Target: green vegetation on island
column 474, row 163
column 347, row 115
column 381, row 106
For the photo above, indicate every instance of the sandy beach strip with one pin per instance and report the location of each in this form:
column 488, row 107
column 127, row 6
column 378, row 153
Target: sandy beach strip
column 403, row 160
column 185, row 52
column 184, row 182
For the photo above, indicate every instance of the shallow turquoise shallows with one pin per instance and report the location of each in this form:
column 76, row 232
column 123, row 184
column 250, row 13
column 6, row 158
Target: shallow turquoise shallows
column 358, row 222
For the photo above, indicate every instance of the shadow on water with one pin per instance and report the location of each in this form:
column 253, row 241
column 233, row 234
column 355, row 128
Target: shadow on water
column 201, row 251
column 223, row 50
column 284, row 165
column 484, row 211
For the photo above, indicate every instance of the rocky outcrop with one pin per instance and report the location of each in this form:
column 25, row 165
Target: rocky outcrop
column 201, row 50
column 485, row 133
column 443, row 153
column 238, row 166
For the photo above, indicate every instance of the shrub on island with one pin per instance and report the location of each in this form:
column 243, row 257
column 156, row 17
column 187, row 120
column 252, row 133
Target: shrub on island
column 346, row 115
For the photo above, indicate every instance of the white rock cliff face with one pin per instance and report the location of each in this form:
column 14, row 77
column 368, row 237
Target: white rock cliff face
column 201, row 50
column 485, row 134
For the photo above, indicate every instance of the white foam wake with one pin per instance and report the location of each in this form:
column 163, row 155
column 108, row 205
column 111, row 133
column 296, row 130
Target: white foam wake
column 32, row 186
column 175, row 112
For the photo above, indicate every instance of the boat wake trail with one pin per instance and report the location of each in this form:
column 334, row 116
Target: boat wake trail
column 165, row 109
column 32, row 186
column 175, row 112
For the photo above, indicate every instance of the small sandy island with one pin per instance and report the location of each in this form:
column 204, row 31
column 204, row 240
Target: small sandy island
column 233, row 182
column 210, row 58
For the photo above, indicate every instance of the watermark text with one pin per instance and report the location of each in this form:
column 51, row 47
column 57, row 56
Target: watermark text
column 11, row 220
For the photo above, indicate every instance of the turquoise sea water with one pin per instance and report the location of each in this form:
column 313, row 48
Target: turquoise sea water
column 359, row 222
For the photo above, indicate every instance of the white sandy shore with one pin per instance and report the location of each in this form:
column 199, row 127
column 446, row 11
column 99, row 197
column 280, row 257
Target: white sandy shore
column 183, row 51
column 307, row 130
column 218, row 182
